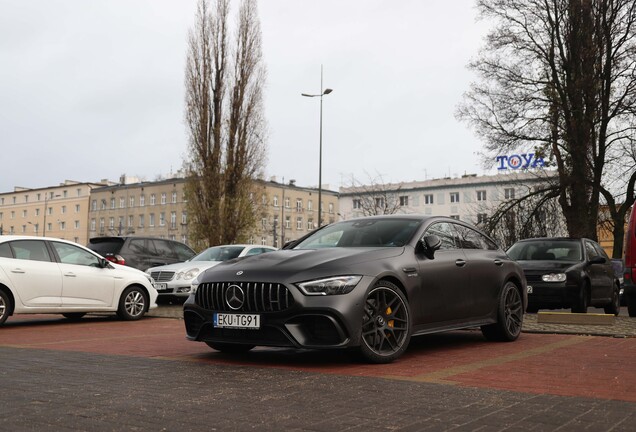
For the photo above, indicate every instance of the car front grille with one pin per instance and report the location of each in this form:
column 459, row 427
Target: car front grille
column 252, row 296
column 162, row 276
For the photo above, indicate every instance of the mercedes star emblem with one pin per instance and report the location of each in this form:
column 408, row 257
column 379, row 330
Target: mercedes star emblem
column 234, row 297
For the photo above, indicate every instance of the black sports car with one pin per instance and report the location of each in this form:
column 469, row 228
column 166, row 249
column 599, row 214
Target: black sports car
column 567, row 273
column 369, row 283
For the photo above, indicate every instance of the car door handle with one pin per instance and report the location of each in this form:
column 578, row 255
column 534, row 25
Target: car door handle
column 460, row 263
column 17, row 270
column 498, row 262
column 69, row 274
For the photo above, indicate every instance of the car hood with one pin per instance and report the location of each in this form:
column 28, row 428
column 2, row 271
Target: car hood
column 547, row 266
column 293, row 265
column 177, row 267
column 127, row 269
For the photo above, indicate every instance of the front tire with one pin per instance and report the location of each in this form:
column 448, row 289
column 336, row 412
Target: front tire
column 582, row 302
column 614, row 308
column 509, row 316
column 132, row 304
column 5, row 306
column 386, row 324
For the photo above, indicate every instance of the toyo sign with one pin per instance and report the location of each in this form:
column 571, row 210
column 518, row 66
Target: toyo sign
column 522, row 161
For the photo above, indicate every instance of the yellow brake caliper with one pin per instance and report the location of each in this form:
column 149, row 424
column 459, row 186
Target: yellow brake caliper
column 390, row 323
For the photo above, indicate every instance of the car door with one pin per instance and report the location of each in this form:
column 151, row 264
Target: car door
column 484, row 262
column 35, row 276
column 600, row 273
column 84, row 282
column 444, row 279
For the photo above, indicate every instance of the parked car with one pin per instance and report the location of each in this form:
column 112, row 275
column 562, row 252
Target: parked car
column 369, row 283
column 567, row 273
column 47, row 275
column 141, row 252
column 619, row 269
column 629, row 283
column 176, row 279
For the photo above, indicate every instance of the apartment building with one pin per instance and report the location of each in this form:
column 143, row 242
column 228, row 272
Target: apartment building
column 56, row 211
column 154, row 209
column 288, row 211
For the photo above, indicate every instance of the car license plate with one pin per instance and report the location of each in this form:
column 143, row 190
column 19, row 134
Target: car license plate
column 237, row 321
column 529, row 289
column 161, row 286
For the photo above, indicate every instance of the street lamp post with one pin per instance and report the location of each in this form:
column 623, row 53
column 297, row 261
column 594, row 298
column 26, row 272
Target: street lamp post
column 321, row 94
column 46, row 200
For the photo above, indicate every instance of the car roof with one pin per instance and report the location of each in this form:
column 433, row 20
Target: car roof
column 4, row 238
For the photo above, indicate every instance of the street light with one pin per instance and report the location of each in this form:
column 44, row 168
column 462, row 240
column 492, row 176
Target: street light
column 46, row 199
column 322, row 93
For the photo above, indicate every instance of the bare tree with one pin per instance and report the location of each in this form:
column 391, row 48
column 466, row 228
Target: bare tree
column 559, row 77
column 224, row 115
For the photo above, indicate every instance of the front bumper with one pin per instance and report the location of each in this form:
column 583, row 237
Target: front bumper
column 552, row 295
column 174, row 288
column 331, row 321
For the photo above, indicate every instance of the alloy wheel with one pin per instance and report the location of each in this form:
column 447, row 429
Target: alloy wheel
column 513, row 311
column 134, row 303
column 385, row 325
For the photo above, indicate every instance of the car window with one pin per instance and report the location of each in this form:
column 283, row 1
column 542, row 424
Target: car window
column 34, row 250
column 471, row 239
column 254, row 251
column 542, row 250
column 183, row 252
column 70, row 254
column 446, row 233
column 105, row 245
column 163, row 248
column 600, row 251
column 138, row 247
column 5, row 251
column 591, row 251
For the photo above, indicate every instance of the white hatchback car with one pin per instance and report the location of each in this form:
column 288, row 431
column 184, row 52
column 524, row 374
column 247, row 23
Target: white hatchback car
column 48, row 275
column 175, row 279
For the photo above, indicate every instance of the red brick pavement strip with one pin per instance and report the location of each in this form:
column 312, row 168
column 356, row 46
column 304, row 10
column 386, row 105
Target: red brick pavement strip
column 566, row 365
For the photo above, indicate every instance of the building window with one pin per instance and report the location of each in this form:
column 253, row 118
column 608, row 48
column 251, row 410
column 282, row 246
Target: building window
column 174, row 197
column 404, row 201
column 481, row 195
column 26, row 198
column 103, row 203
column 310, row 224
column 357, row 204
column 162, row 219
column 299, row 223
column 111, row 223
column 65, row 193
column 63, row 210
column 92, row 224
column 131, row 221
column 77, row 224
column 264, row 223
column 263, row 241
column 153, row 199
column 141, row 220
column 23, row 229
column 184, row 218
column 142, row 200
column 287, row 202
column 24, row 213
column 152, row 220
column 79, row 192
column 12, row 214
column 454, row 197
column 62, row 226
column 287, row 222
column 331, row 208
column 481, row 218
column 101, row 224
column 37, row 212
column 310, row 205
column 49, row 211
column 122, row 202
column 131, row 202
column 264, row 199
column 379, row 203
column 173, row 219
column 112, row 203
column 509, row 193
column 299, row 204
column 163, row 198
column 94, row 205
column 35, row 228
column 77, row 208
column 275, row 200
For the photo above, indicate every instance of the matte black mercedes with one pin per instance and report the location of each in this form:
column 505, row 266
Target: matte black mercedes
column 368, row 283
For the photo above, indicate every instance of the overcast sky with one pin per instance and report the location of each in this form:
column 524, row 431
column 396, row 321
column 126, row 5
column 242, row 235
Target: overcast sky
column 93, row 90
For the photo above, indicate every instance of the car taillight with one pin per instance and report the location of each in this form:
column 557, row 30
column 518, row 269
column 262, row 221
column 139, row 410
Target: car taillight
column 117, row 259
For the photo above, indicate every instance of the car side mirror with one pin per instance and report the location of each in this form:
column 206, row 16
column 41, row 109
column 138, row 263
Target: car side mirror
column 431, row 243
column 104, row 263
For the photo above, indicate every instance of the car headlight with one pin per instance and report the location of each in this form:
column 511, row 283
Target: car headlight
column 330, row 286
column 194, row 285
column 554, row 277
column 190, row 273
column 150, row 279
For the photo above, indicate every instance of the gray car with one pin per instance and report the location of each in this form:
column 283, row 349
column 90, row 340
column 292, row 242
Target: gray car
column 368, row 284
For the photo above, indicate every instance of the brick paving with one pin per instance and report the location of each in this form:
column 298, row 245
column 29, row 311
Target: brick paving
column 101, row 374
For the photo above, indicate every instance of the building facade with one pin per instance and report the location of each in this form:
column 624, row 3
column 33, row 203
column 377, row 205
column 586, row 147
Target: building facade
column 288, row 211
column 152, row 209
column 56, row 211
column 470, row 198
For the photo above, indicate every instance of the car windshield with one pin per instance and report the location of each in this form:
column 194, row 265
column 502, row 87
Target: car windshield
column 546, row 250
column 391, row 232
column 219, row 253
column 106, row 245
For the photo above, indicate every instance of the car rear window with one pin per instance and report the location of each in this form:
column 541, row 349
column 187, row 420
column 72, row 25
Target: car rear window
column 106, row 245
